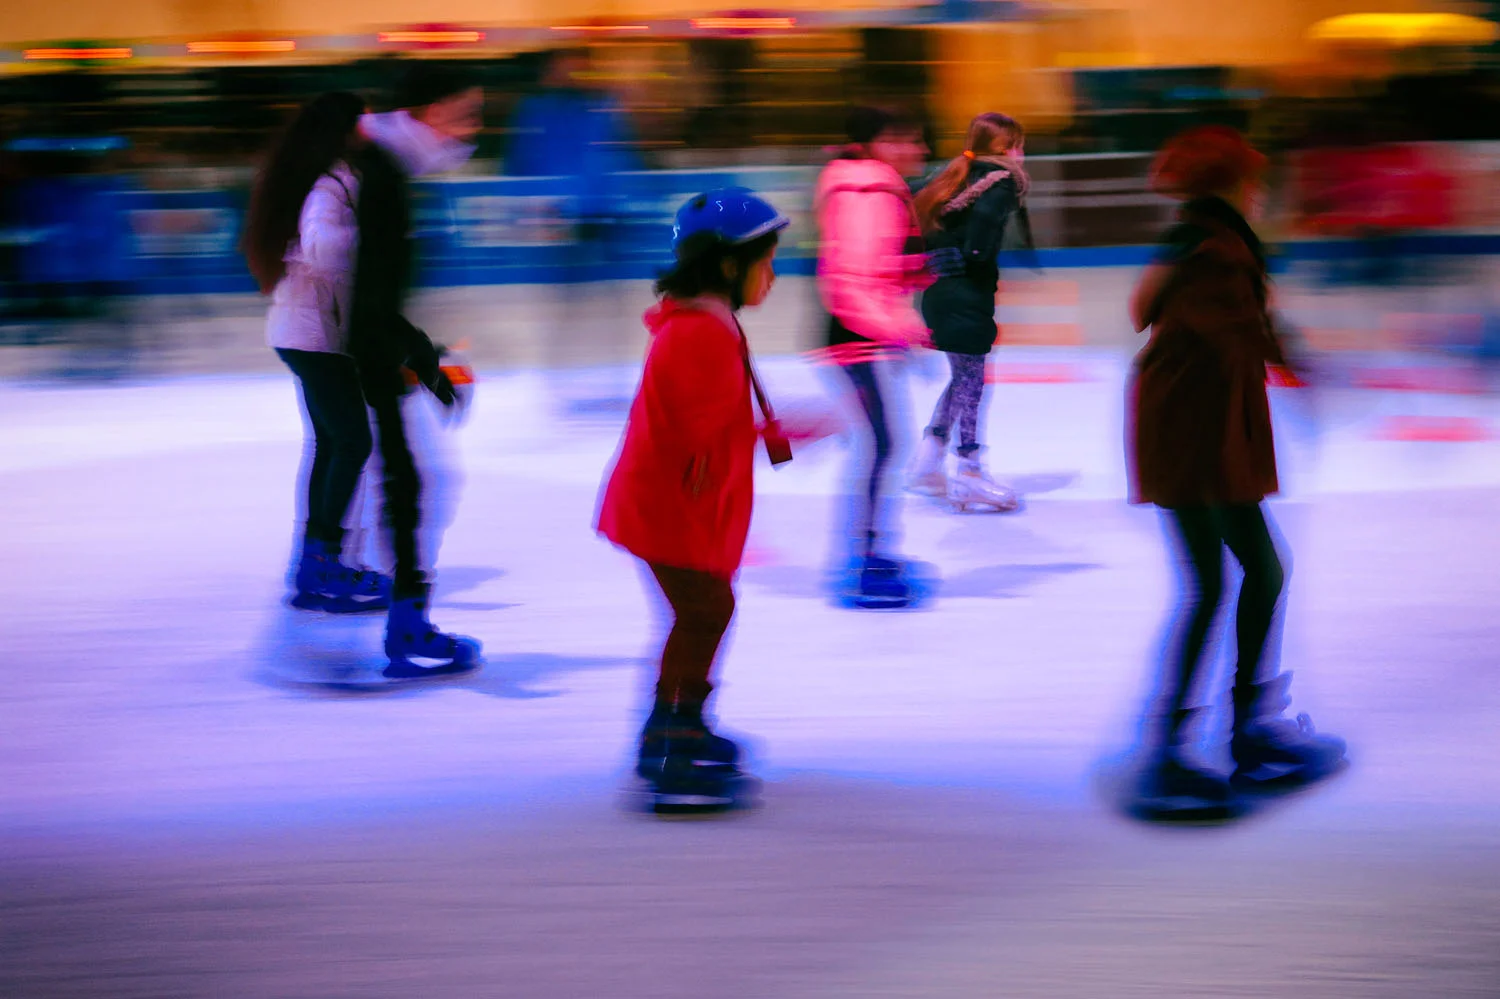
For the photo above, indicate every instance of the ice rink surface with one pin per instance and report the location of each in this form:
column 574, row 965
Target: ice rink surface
column 182, row 814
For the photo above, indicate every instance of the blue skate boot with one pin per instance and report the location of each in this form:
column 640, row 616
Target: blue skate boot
column 324, row 583
column 418, row 651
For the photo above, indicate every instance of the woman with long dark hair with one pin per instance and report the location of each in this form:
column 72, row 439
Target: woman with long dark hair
column 300, row 239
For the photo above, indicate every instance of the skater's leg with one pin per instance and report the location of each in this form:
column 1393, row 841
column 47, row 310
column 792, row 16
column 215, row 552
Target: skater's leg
column 942, row 418
column 341, row 421
column 1270, row 751
column 867, row 389
column 702, row 608
column 303, row 367
column 403, row 494
column 1249, row 540
column 1198, row 532
column 968, row 392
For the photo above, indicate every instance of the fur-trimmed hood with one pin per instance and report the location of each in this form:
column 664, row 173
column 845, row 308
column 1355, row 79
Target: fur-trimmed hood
column 990, row 170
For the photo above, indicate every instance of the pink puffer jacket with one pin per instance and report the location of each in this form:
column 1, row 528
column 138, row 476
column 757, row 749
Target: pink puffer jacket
column 868, row 273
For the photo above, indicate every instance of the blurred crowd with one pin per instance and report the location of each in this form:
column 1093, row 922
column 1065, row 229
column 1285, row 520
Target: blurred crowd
column 118, row 185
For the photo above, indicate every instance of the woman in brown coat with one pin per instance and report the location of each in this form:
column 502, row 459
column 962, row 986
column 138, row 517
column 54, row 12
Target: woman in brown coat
column 1201, row 449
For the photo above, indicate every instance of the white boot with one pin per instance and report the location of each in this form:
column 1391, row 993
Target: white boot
column 929, row 476
column 973, row 489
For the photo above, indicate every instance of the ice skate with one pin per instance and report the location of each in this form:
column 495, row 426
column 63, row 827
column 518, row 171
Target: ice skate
column 1274, row 753
column 881, row 584
column 683, row 732
column 418, row 651
column 1173, row 790
column 929, row 476
column 324, row 583
column 973, row 489
column 683, row 787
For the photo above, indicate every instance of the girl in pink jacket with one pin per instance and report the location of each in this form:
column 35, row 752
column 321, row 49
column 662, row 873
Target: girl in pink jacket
column 870, row 266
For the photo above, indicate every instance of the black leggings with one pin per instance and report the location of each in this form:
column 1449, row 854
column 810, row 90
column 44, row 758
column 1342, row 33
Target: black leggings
column 872, row 402
column 341, row 441
column 1204, row 533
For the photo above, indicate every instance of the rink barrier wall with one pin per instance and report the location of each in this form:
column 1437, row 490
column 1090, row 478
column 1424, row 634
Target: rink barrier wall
column 502, row 230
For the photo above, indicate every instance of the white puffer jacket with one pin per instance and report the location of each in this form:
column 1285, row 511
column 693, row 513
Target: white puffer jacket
column 310, row 304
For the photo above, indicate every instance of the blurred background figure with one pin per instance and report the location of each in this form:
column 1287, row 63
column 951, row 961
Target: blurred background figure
column 570, row 129
column 70, row 250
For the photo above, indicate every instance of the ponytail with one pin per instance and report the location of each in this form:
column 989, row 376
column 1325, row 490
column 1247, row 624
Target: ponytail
column 936, row 194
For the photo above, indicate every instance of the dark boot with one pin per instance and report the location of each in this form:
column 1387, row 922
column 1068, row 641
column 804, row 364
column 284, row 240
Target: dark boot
column 417, row 650
column 682, row 734
column 1272, row 752
column 1172, row 788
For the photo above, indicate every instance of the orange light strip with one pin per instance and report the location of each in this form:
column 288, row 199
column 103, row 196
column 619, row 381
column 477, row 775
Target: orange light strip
column 431, row 37
column 601, row 27
column 70, row 54
column 241, row 48
column 743, row 23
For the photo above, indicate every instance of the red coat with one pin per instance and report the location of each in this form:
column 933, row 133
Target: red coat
column 1201, row 423
column 681, row 489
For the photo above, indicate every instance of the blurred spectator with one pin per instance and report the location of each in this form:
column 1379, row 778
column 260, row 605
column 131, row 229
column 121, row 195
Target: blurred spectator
column 576, row 133
column 571, row 130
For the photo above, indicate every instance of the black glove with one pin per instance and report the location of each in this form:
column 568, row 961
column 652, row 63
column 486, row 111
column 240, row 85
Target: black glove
column 948, row 261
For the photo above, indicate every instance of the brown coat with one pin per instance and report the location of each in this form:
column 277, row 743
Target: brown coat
column 1200, row 421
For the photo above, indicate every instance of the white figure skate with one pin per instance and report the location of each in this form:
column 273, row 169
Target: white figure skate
column 929, row 476
column 973, row 489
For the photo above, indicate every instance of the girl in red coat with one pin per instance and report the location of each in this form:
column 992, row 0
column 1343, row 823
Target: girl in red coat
column 1201, row 449
column 680, row 492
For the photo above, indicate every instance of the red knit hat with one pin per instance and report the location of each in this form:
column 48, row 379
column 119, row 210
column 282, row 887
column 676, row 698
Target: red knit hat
column 1209, row 159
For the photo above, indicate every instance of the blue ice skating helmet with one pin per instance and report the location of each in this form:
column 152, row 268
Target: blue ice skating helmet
column 734, row 215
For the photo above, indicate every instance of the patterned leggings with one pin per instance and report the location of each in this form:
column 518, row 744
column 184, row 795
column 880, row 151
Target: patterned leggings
column 959, row 403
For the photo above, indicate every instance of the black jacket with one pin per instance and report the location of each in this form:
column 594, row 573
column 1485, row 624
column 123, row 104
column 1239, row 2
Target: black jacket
column 960, row 310
column 381, row 339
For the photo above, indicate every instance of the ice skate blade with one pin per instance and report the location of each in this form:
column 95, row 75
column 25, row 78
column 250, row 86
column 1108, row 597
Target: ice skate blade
column 701, row 792
column 880, row 603
column 407, row 671
column 1184, row 810
column 978, row 506
column 1271, row 780
column 334, row 605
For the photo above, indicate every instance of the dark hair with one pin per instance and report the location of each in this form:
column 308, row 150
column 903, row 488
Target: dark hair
column 700, row 267
column 424, row 83
column 864, row 124
column 316, row 139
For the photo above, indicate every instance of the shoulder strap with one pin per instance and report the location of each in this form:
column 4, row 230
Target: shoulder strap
column 755, row 385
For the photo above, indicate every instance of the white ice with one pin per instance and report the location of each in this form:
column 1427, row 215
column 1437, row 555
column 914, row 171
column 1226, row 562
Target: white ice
column 182, row 816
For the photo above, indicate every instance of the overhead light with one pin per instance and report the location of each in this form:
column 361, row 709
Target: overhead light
column 431, row 37
column 601, row 27
column 242, row 47
column 77, row 54
column 743, row 23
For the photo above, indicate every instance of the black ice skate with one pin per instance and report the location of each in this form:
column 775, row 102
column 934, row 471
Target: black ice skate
column 1273, row 753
